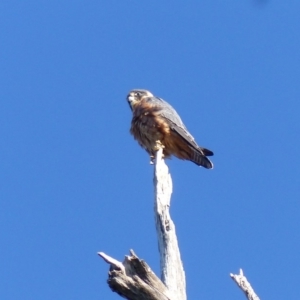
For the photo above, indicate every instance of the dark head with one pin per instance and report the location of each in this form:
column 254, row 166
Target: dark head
column 136, row 96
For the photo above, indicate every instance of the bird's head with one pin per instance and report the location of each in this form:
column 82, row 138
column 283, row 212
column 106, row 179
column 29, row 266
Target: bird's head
column 136, row 96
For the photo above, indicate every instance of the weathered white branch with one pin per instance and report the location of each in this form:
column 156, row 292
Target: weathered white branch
column 245, row 286
column 172, row 273
column 133, row 279
column 113, row 262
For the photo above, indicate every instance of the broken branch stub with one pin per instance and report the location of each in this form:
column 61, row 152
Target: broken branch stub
column 244, row 285
column 133, row 279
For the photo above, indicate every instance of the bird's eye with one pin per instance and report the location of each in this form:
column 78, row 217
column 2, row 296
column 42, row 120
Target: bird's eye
column 137, row 94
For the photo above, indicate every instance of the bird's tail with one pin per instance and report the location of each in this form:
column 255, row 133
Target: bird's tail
column 199, row 157
column 206, row 152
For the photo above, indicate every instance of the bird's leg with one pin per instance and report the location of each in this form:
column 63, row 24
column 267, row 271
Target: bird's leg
column 152, row 157
column 158, row 145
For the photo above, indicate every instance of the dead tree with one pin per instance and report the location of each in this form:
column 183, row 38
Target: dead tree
column 133, row 279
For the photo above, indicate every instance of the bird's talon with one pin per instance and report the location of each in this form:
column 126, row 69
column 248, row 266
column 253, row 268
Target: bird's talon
column 158, row 145
column 152, row 158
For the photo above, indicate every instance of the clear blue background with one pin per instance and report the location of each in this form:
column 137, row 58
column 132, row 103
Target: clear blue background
column 73, row 180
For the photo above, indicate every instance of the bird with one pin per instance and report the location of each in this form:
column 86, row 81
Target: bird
column 155, row 121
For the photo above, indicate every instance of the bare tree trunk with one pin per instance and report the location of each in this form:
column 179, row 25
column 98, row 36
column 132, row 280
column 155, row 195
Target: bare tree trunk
column 133, row 279
column 172, row 273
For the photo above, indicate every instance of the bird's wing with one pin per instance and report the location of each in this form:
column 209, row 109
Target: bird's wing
column 169, row 113
column 183, row 133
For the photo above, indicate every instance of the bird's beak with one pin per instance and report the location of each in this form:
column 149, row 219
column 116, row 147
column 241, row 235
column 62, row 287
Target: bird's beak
column 130, row 100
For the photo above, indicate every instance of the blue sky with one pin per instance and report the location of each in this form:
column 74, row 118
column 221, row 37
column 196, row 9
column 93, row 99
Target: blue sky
column 73, row 180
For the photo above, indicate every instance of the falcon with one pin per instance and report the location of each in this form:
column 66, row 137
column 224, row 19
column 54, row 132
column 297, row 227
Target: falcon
column 156, row 121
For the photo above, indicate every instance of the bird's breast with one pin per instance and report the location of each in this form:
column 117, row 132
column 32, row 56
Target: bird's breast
column 147, row 127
